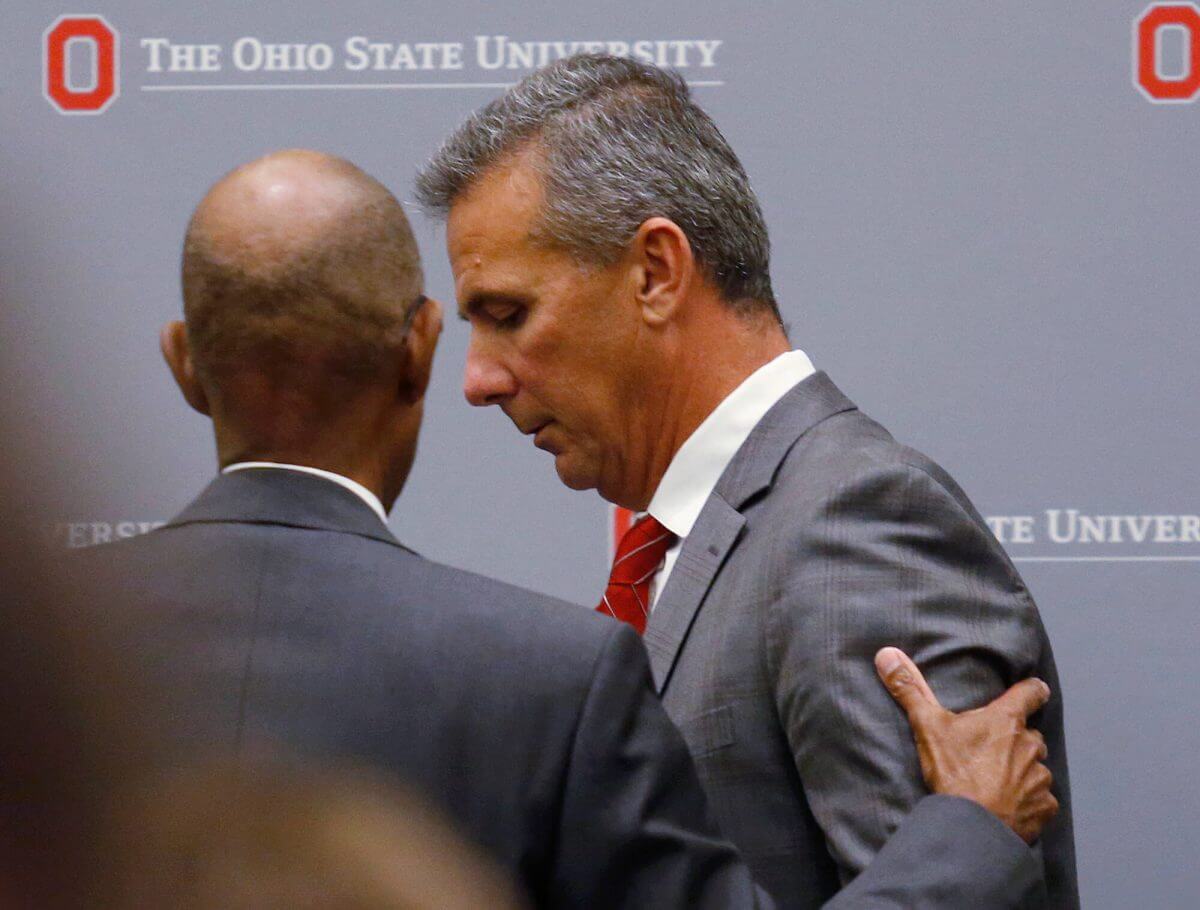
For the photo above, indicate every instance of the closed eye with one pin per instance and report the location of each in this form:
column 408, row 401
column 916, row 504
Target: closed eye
column 505, row 315
column 500, row 311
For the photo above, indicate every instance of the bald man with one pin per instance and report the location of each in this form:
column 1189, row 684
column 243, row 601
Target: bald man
column 285, row 609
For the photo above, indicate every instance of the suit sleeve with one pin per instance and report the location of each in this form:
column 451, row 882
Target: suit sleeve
column 948, row 852
column 891, row 557
column 635, row 829
column 636, row 833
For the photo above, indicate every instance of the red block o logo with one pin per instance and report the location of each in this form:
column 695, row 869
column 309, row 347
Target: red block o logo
column 1147, row 30
column 70, row 98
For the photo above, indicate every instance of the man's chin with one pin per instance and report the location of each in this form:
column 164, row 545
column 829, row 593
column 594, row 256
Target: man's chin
column 573, row 475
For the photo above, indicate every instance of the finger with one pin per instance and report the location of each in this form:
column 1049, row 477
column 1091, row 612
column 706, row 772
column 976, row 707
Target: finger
column 1035, row 736
column 1041, row 816
column 1040, row 813
column 1041, row 778
column 904, row 681
column 1024, row 698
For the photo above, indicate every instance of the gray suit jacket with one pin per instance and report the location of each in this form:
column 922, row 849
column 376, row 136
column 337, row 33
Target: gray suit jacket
column 823, row 541
column 289, row 614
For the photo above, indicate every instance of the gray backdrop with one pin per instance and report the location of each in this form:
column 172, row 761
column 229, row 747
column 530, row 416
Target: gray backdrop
column 983, row 230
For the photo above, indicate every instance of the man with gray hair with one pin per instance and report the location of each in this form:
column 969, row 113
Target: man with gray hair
column 613, row 264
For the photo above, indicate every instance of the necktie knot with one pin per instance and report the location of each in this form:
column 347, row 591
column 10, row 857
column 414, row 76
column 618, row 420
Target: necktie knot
column 639, row 554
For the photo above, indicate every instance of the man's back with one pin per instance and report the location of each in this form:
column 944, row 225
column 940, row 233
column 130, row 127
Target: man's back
column 287, row 614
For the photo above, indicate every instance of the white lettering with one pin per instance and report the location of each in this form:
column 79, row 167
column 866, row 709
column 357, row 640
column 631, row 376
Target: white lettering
column 1190, row 532
column 520, row 56
column 210, row 58
column 1139, row 526
column 248, row 54
column 182, row 58
column 1072, row 527
column 499, row 51
column 1164, row 529
column 154, row 45
column 356, row 54
column 708, row 51
column 427, row 50
column 79, row 534
column 1022, row 529
column 1091, row 529
column 1011, row 528
column 1057, row 533
column 481, row 54
column 319, row 57
column 278, row 57
column 403, row 59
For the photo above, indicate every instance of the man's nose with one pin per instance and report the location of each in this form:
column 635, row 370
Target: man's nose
column 485, row 380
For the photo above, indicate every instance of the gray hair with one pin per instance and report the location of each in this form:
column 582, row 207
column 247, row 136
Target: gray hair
column 619, row 142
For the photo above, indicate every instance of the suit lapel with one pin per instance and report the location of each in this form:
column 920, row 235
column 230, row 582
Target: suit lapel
column 718, row 530
column 700, row 558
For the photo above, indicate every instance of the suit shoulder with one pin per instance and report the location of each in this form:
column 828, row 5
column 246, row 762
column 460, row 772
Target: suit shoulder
column 507, row 641
column 509, row 606
column 849, row 476
column 851, row 451
column 356, row 570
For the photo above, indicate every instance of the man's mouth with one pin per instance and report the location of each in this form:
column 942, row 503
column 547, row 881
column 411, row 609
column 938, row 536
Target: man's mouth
column 539, row 436
column 538, row 432
column 529, row 429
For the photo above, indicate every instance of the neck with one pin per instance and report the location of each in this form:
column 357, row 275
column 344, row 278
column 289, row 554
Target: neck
column 692, row 387
column 368, row 459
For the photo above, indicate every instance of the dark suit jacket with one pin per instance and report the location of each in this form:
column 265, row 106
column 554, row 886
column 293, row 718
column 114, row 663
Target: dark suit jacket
column 288, row 613
column 823, row 541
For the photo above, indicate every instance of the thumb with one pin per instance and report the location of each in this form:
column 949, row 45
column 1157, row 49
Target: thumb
column 905, row 683
column 1024, row 698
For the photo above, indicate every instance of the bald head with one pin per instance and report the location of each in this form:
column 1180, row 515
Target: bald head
column 298, row 273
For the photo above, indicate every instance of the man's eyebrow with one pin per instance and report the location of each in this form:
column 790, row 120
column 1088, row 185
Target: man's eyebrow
column 482, row 298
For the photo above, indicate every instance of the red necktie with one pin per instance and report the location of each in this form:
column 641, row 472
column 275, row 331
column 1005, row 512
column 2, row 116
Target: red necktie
column 639, row 554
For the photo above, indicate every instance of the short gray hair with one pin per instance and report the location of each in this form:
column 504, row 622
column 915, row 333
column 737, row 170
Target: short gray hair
column 619, row 142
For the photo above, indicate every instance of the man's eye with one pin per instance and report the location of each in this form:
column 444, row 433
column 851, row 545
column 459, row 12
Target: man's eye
column 506, row 315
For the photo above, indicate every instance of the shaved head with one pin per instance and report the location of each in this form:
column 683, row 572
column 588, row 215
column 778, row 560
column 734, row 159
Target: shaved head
column 299, row 273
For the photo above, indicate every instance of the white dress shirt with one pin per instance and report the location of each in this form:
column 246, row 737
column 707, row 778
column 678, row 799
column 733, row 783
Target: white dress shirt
column 701, row 460
column 352, row 485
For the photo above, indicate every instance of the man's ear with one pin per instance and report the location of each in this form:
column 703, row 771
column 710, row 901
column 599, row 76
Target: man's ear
column 173, row 343
column 419, row 346
column 664, row 268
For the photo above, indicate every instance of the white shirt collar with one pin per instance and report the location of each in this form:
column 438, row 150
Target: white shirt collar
column 701, row 460
column 352, row 485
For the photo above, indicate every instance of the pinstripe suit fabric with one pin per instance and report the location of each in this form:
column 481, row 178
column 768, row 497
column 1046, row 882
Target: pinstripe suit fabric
column 824, row 540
